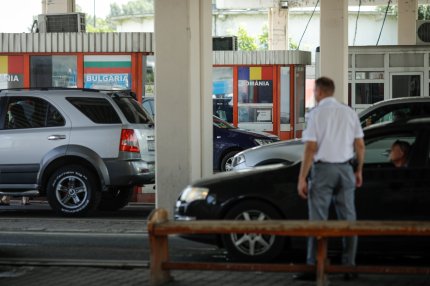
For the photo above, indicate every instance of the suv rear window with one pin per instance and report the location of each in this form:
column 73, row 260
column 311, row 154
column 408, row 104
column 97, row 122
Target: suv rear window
column 98, row 110
column 133, row 112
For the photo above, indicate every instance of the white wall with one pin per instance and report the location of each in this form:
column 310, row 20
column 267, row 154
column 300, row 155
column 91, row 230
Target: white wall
column 369, row 25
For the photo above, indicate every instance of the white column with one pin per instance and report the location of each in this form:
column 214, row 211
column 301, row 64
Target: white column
column 334, row 45
column 278, row 29
column 183, row 82
column 406, row 23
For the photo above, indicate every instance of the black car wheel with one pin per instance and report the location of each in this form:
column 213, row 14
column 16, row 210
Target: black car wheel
column 115, row 199
column 72, row 191
column 227, row 161
column 250, row 246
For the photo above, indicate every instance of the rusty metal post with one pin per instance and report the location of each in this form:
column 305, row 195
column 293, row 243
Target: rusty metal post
column 159, row 249
column 321, row 261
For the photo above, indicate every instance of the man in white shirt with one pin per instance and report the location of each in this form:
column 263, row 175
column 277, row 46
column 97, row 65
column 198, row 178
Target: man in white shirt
column 332, row 134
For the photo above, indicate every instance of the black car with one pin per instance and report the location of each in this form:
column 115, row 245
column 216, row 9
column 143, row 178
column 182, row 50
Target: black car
column 270, row 192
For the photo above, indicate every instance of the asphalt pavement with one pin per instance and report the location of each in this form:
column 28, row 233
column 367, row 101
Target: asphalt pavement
column 39, row 248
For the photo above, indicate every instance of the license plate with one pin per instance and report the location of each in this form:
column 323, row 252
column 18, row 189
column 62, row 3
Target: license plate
column 151, row 145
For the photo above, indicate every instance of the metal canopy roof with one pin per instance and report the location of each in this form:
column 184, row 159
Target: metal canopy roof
column 76, row 42
column 261, row 57
column 311, row 3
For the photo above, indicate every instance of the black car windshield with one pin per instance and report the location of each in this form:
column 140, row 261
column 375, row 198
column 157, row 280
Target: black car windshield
column 218, row 122
column 133, row 112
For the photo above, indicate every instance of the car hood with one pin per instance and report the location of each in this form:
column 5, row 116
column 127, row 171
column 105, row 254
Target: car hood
column 234, row 175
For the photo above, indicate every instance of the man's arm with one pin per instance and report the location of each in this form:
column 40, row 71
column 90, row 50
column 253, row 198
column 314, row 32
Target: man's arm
column 359, row 151
column 308, row 156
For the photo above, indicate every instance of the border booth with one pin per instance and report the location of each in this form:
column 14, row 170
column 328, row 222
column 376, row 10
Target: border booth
column 261, row 91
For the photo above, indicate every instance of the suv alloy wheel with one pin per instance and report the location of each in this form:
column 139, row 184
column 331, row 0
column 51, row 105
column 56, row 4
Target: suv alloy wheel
column 72, row 191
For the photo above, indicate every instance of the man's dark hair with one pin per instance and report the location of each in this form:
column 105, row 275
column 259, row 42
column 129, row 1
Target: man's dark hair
column 325, row 84
column 403, row 145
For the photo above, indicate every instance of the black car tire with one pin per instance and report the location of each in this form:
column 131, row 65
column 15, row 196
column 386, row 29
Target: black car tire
column 73, row 191
column 115, row 198
column 226, row 158
column 262, row 253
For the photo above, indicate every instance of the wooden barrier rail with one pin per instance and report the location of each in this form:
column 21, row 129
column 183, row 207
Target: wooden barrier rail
column 159, row 227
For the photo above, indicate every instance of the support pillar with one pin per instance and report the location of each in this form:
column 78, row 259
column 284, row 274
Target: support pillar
column 183, row 101
column 406, row 22
column 278, row 29
column 334, row 45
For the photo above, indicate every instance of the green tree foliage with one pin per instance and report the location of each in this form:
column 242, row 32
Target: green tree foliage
column 245, row 41
column 424, row 12
column 263, row 38
column 134, row 7
column 292, row 44
column 102, row 25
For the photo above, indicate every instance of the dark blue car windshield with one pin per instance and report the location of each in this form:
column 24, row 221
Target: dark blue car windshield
column 218, row 122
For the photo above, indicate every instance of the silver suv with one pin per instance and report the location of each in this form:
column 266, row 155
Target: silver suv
column 83, row 149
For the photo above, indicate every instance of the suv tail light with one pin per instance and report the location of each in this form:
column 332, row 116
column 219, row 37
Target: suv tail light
column 129, row 142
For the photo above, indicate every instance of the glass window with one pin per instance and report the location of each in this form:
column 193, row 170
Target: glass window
column 149, row 76
column 98, row 110
column 255, row 84
column 391, row 113
column 148, row 105
column 378, row 150
column 300, row 96
column 368, row 92
column 406, row 60
column 406, row 85
column 369, row 61
column 369, row 75
column 132, row 110
column 218, row 122
column 285, row 95
column 53, row 71
column 110, row 72
column 255, row 114
column 222, row 93
column 11, row 72
column 31, row 112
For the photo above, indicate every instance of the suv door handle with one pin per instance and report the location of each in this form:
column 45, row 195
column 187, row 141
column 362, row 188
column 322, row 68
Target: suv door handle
column 57, row 137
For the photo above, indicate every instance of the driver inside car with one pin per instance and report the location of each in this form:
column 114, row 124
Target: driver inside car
column 399, row 153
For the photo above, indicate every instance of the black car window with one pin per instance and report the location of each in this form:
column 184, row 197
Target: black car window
column 378, row 149
column 98, row 110
column 31, row 112
column 132, row 110
column 148, row 106
column 391, row 114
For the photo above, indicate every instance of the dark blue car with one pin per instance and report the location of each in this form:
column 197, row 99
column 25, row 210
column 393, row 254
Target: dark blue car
column 228, row 140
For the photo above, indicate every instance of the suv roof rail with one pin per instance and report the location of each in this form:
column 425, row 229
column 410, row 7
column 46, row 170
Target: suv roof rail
column 126, row 92
column 49, row 88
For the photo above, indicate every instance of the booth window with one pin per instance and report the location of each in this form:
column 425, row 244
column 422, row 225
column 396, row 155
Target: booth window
column 222, row 93
column 285, row 95
column 148, row 75
column 300, row 96
column 110, row 72
column 11, row 72
column 255, row 94
column 53, row 71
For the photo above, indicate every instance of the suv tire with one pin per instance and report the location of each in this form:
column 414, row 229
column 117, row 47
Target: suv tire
column 115, row 199
column 72, row 191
